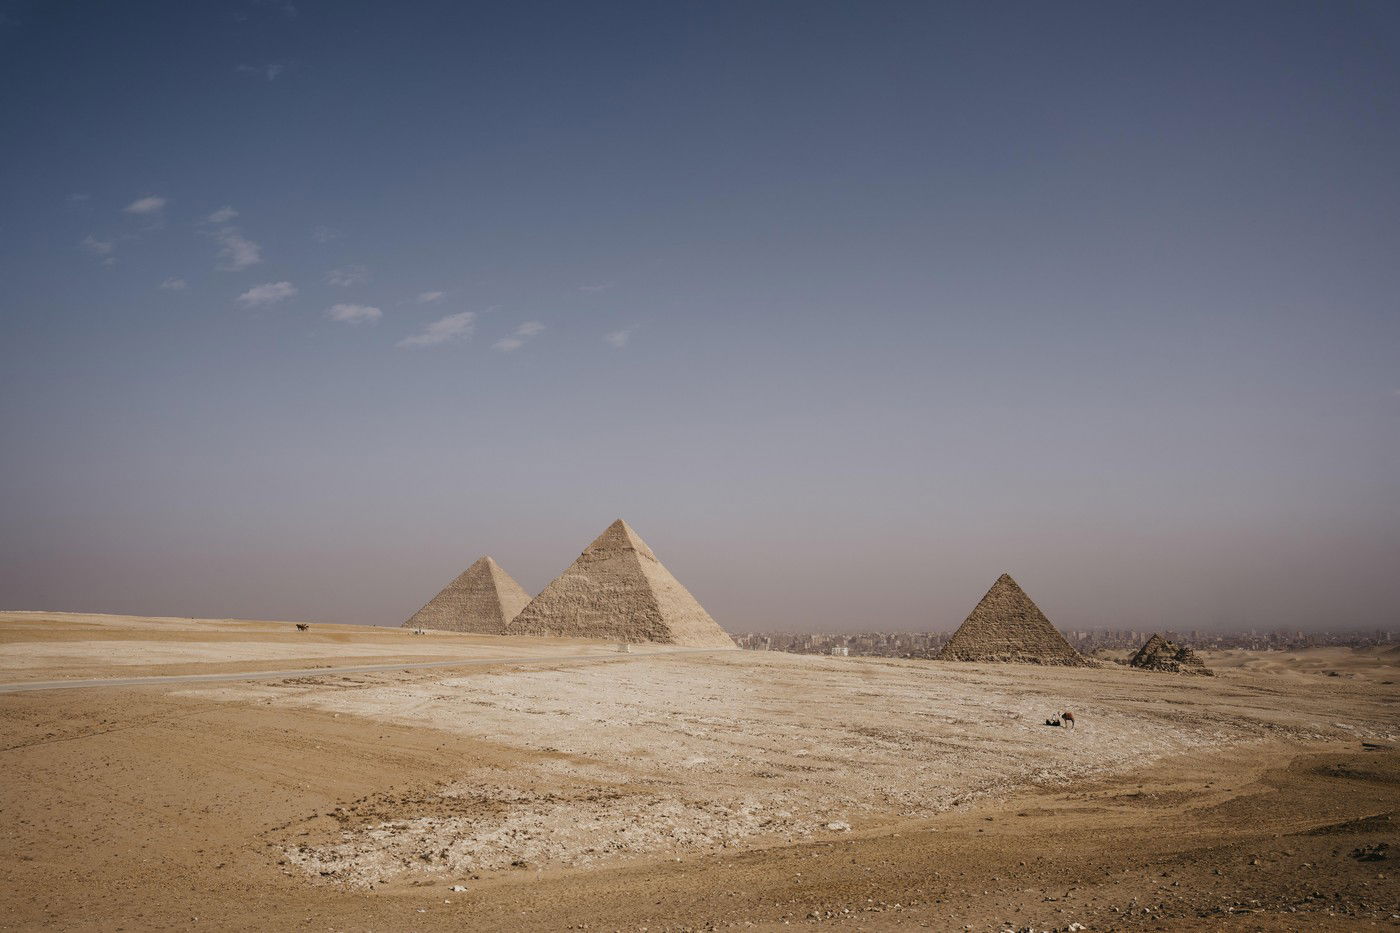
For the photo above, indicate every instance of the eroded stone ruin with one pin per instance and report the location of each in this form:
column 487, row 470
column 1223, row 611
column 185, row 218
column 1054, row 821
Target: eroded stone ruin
column 1158, row 654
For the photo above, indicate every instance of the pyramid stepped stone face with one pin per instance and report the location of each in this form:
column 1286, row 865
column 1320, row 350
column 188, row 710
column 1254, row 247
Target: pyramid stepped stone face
column 617, row 590
column 1158, row 654
column 481, row 600
column 1008, row 626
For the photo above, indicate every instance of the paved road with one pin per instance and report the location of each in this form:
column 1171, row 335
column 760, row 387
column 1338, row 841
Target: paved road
column 318, row 671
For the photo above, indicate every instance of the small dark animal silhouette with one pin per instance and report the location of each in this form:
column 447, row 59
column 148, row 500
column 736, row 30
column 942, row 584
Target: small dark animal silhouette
column 303, row 626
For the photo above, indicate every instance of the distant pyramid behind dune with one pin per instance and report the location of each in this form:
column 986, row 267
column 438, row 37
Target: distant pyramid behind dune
column 1007, row 626
column 482, row 599
column 619, row 591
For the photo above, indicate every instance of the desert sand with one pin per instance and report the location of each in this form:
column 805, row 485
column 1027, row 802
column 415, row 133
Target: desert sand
column 551, row 783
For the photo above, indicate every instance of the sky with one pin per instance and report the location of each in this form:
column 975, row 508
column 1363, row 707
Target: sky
column 847, row 308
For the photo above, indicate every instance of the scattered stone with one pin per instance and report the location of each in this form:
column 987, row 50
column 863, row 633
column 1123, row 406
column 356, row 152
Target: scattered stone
column 1375, row 853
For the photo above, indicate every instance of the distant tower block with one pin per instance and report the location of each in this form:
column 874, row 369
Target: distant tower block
column 1008, row 626
column 617, row 590
column 482, row 600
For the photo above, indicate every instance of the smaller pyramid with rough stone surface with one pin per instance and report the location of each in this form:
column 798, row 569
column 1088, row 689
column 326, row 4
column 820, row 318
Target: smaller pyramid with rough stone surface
column 482, row 600
column 1158, row 654
column 1008, row 626
column 618, row 590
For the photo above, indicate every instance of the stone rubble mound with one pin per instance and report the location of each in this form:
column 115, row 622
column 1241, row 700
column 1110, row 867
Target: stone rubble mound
column 481, row 600
column 617, row 590
column 1007, row 626
column 1158, row 654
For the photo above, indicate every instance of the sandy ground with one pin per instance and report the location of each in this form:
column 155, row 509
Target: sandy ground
column 54, row 646
column 699, row 791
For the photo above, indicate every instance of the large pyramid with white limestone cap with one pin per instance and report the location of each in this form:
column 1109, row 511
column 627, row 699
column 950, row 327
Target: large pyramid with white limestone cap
column 1007, row 626
column 482, row 600
column 619, row 591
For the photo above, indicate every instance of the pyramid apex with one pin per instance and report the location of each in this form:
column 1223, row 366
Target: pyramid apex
column 620, row 536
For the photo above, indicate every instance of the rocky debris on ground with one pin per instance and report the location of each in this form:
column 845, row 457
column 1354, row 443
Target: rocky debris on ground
column 1158, row 654
column 468, row 828
column 1372, row 853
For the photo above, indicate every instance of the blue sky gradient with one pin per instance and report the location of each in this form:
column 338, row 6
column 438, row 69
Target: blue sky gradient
column 846, row 307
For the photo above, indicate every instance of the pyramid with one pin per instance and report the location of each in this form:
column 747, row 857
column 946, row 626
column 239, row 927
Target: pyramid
column 1008, row 626
column 482, row 599
column 1158, row 654
column 618, row 590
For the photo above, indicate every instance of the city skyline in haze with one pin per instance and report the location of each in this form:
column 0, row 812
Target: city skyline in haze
column 846, row 308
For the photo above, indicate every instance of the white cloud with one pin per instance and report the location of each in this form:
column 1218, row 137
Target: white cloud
column 452, row 327
column 354, row 314
column 174, row 284
column 267, row 294
column 619, row 338
column 429, row 297
column 222, row 216
column 346, row 276
column 594, row 288
column 76, row 198
column 147, row 205
column 270, row 71
column 236, row 250
column 96, row 246
column 326, row 234
column 517, row 340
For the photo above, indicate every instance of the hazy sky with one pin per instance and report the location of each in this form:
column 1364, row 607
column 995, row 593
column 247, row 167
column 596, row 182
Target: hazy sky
column 845, row 307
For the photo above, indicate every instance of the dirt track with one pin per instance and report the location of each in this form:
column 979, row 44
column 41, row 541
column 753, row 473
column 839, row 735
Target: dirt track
column 145, row 808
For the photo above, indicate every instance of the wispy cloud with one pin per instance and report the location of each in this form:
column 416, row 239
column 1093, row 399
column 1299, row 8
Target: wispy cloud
column 619, row 338
column 325, row 234
column 347, row 276
column 174, row 284
column 270, row 71
column 594, row 288
column 354, row 314
column 268, row 294
column 222, row 216
column 77, row 198
column 97, row 247
column 151, row 204
column 236, row 250
column 429, row 297
column 452, row 327
column 517, row 339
